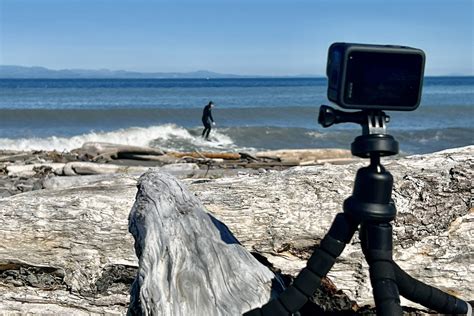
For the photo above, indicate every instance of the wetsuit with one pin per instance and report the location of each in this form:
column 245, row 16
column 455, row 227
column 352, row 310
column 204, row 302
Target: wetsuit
column 207, row 120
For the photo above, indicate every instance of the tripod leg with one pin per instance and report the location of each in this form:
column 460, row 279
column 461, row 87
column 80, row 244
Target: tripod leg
column 318, row 265
column 376, row 239
column 427, row 295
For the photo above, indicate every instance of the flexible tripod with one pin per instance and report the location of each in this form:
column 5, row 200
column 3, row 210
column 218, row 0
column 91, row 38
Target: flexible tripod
column 371, row 208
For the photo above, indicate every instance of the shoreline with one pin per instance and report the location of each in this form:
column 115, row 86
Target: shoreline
column 69, row 245
column 24, row 171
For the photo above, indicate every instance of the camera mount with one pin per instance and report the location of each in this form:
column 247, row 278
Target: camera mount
column 371, row 199
column 370, row 209
column 374, row 140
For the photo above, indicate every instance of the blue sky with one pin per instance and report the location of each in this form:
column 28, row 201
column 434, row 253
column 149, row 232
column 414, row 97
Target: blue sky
column 267, row 37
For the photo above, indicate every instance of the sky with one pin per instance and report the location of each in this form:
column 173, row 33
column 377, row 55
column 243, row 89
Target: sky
column 246, row 37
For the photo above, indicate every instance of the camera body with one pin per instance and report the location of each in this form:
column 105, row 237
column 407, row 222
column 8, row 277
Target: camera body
column 375, row 77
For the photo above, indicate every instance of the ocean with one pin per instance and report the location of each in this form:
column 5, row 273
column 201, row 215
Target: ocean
column 251, row 114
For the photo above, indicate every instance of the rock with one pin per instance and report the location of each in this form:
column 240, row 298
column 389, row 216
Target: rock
column 189, row 263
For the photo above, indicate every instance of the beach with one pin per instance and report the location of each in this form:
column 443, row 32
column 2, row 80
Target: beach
column 24, row 171
column 67, row 248
column 73, row 151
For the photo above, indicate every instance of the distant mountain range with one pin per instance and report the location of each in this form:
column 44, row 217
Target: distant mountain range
column 21, row 72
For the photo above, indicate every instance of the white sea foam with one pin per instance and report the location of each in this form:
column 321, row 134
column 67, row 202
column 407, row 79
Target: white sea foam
column 316, row 134
column 165, row 136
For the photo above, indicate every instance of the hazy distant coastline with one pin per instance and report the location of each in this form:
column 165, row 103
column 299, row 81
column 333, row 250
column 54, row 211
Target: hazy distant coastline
column 22, row 72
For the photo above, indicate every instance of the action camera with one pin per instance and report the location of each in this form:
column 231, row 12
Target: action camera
column 375, row 77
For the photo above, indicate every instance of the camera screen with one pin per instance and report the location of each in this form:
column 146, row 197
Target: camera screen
column 386, row 79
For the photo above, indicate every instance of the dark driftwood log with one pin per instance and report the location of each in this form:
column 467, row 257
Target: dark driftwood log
column 189, row 262
column 107, row 151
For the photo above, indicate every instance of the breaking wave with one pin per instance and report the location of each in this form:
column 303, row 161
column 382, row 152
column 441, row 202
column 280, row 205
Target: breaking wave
column 173, row 137
column 167, row 137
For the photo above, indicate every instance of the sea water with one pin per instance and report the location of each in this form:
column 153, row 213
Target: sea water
column 251, row 114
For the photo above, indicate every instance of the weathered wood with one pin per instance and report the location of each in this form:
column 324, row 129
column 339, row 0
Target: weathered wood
column 283, row 215
column 89, row 168
column 59, row 183
column 82, row 232
column 165, row 159
column 304, row 155
column 67, row 251
column 204, row 155
column 107, row 151
column 31, row 157
column 12, row 156
column 257, row 165
column 189, row 263
column 90, row 173
column 332, row 161
column 29, row 170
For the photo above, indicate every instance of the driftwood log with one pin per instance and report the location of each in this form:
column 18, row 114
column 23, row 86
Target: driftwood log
column 189, row 262
column 99, row 151
column 283, row 215
column 68, row 250
column 307, row 156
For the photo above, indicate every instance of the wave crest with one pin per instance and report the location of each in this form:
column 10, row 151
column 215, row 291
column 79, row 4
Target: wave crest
column 167, row 137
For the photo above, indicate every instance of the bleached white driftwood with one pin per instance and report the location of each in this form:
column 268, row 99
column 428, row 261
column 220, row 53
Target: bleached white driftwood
column 68, row 251
column 106, row 173
column 91, row 168
column 88, row 168
column 189, row 263
column 29, row 169
column 306, row 156
column 283, row 215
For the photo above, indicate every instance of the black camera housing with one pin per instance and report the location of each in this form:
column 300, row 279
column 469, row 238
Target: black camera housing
column 377, row 77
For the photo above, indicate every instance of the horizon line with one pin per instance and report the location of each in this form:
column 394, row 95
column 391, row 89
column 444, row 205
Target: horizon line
column 221, row 75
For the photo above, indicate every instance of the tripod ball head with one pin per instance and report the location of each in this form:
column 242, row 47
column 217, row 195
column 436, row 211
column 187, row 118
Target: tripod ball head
column 374, row 139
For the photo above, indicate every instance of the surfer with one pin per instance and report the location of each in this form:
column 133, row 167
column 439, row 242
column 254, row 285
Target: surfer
column 207, row 120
